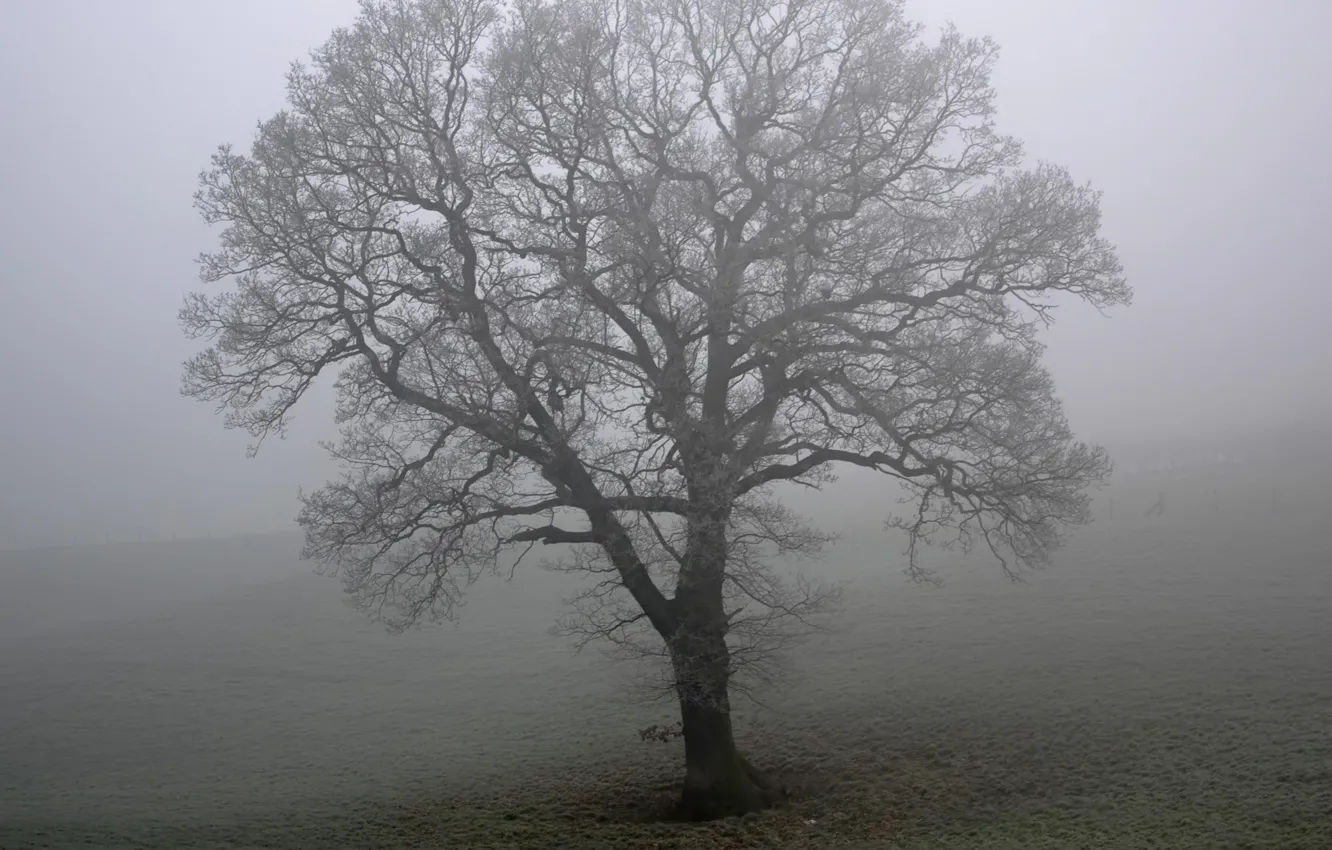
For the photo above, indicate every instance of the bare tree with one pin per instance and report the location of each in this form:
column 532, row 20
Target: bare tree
column 609, row 273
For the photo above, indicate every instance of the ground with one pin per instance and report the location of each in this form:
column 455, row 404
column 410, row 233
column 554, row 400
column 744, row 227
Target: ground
column 1165, row 684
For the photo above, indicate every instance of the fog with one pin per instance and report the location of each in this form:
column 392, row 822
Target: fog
column 172, row 674
column 1204, row 123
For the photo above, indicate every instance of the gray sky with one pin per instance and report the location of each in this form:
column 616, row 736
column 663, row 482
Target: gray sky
column 1205, row 122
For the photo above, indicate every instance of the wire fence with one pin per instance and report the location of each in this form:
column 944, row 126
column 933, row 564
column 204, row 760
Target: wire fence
column 1254, row 492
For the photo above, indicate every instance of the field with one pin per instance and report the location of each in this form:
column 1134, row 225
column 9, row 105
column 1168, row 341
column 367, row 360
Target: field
column 1166, row 682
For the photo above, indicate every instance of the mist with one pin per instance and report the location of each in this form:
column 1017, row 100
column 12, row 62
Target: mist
column 151, row 571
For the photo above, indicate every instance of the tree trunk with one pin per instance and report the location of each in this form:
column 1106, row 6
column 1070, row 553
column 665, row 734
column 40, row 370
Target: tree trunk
column 719, row 782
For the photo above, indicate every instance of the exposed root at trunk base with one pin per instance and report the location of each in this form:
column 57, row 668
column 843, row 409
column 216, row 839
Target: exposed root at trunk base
column 731, row 789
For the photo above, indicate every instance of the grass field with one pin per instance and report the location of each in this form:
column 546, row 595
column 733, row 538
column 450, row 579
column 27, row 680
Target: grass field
column 1167, row 682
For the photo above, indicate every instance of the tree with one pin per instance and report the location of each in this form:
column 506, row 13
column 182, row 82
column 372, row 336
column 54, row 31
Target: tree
column 611, row 273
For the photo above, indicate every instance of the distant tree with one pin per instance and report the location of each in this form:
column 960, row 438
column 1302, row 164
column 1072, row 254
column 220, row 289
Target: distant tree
column 609, row 273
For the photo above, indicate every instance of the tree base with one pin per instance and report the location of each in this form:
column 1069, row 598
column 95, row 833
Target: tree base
column 730, row 790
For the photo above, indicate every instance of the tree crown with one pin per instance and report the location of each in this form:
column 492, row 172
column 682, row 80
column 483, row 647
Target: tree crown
column 607, row 272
